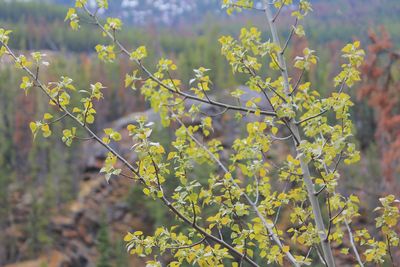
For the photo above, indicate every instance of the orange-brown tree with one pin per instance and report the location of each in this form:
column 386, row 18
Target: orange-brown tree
column 381, row 89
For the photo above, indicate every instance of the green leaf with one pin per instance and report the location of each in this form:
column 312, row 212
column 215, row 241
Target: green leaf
column 146, row 191
column 139, row 54
column 47, row 116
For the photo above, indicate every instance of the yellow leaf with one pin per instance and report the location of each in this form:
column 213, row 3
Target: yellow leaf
column 354, row 198
column 47, row 116
column 285, row 249
column 128, row 237
column 344, row 251
column 225, row 220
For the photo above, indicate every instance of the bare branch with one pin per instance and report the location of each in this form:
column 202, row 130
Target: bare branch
column 58, row 119
column 281, row 138
column 280, row 207
column 215, row 115
column 189, row 246
column 297, row 83
column 246, row 7
column 276, row 62
column 389, row 249
column 331, row 219
column 290, row 37
column 175, row 104
column 353, row 245
column 84, row 138
column 320, row 190
column 279, row 10
column 194, row 213
column 312, row 117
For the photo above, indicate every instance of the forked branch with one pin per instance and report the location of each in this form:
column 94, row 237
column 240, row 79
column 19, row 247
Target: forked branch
column 319, row 222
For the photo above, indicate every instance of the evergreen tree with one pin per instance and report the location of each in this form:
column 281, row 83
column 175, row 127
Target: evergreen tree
column 103, row 244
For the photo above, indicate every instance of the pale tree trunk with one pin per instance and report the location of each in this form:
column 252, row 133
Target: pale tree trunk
column 319, row 222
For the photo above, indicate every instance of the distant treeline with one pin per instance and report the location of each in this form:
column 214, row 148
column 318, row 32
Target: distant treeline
column 38, row 25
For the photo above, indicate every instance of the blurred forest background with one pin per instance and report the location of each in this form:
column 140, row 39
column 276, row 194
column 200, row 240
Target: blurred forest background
column 54, row 207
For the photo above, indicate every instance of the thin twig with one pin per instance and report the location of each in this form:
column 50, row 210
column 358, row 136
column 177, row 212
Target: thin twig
column 290, row 37
column 281, row 138
column 58, row 119
column 215, row 115
column 342, row 85
column 161, row 84
column 320, row 190
column 188, row 246
column 276, row 62
column 127, row 176
column 246, row 7
column 257, row 190
column 353, row 245
column 389, row 249
column 312, row 117
column 280, row 207
column 175, row 104
column 83, row 138
column 194, row 213
column 279, row 10
column 254, row 75
column 297, row 83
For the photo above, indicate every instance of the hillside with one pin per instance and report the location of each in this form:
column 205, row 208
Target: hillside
column 338, row 20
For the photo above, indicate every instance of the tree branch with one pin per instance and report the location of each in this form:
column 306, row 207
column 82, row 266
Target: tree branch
column 319, row 222
column 289, row 37
column 353, row 245
column 267, row 226
column 231, row 249
column 189, row 246
column 161, row 84
column 312, row 117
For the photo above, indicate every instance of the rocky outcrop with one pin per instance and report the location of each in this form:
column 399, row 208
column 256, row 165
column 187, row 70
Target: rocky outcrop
column 77, row 231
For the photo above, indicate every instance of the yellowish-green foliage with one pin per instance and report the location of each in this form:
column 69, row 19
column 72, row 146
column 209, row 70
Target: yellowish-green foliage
column 73, row 18
column 233, row 217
